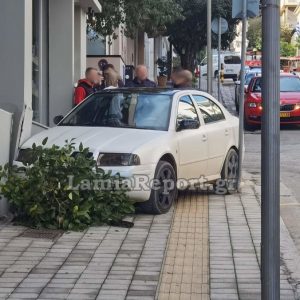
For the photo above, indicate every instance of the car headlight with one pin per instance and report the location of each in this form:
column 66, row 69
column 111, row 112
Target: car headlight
column 117, row 159
column 297, row 106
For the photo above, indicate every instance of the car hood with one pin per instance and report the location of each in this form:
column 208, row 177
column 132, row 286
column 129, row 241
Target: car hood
column 104, row 139
column 289, row 98
column 285, row 97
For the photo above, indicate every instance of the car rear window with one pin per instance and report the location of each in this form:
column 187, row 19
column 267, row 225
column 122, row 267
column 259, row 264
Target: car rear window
column 232, row 60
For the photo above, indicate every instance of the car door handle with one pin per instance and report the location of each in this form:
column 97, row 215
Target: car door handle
column 204, row 137
column 226, row 132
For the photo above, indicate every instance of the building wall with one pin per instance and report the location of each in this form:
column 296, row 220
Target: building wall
column 61, row 57
column 16, row 63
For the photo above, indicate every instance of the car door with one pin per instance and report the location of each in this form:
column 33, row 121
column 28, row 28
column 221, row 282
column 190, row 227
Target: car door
column 218, row 131
column 192, row 143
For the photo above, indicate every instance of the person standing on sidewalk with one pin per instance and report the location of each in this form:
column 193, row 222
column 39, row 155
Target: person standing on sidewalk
column 85, row 86
column 141, row 78
column 182, row 79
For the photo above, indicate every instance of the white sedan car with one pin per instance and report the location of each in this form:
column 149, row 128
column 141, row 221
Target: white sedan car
column 164, row 139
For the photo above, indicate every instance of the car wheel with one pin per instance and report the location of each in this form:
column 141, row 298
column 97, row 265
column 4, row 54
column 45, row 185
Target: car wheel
column 164, row 192
column 229, row 174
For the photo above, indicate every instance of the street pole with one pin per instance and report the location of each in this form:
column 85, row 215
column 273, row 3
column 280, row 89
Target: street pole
column 219, row 60
column 270, row 140
column 209, row 52
column 242, row 92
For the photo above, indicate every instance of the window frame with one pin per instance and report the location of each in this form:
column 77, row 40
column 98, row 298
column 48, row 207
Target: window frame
column 215, row 103
column 198, row 113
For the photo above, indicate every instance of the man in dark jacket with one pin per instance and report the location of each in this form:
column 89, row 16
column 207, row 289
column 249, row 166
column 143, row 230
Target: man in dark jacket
column 85, row 86
column 141, row 78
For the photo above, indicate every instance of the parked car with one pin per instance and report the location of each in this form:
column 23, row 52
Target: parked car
column 289, row 101
column 161, row 134
column 248, row 76
column 230, row 62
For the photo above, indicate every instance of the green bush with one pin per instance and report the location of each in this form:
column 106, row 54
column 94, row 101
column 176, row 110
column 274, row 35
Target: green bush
column 41, row 196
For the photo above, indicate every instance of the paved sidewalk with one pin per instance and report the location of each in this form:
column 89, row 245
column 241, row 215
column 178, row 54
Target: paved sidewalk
column 207, row 248
column 186, row 270
column 100, row 263
column 234, row 226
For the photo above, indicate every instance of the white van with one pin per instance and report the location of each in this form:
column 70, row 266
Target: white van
column 231, row 63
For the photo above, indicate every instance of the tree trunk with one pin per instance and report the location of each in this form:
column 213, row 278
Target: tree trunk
column 188, row 60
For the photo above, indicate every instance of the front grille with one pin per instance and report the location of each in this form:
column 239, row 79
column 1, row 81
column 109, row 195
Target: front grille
column 287, row 107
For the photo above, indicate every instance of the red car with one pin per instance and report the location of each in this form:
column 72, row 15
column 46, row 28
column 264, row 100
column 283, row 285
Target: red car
column 289, row 101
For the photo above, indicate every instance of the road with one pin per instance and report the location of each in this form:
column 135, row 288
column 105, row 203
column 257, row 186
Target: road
column 290, row 167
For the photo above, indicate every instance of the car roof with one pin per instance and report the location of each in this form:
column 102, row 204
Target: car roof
column 160, row 91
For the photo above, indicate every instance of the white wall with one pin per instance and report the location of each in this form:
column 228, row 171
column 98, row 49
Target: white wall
column 16, row 62
column 79, row 43
column 61, row 57
column 5, row 133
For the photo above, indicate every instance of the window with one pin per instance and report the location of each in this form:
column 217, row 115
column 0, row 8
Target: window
column 232, row 60
column 122, row 110
column 186, row 110
column 210, row 110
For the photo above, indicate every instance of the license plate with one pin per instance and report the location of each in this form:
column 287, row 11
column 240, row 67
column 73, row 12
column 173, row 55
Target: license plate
column 285, row 114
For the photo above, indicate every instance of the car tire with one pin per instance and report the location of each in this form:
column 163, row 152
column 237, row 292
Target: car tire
column 229, row 174
column 161, row 201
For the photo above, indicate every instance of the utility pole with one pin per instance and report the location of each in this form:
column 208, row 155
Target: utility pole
column 270, row 140
column 219, row 59
column 242, row 92
column 209, row 52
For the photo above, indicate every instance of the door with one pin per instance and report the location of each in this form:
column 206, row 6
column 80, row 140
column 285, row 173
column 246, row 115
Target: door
column 192, row 143
column 218, row 133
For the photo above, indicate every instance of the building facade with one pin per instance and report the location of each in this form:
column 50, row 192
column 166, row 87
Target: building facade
column 287, row 9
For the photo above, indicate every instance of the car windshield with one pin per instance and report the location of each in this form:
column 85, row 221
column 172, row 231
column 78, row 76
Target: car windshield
column 249, row 76
column 287, row 84
column 123, row 110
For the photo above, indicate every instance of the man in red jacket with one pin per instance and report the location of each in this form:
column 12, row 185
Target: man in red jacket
column 85, row 86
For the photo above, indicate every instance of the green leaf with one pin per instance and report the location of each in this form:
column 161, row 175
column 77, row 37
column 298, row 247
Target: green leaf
column 44, row 142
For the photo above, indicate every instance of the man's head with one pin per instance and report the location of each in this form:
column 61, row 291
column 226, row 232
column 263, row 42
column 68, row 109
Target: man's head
column 182, row 78
column 91, row 74
column 141, row 72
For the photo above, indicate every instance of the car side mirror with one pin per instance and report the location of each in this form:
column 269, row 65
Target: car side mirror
column 188, row 124
column 246, row 90
column 57, row 119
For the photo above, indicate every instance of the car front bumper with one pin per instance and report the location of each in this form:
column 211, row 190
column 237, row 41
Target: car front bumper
column 254, row 117
column 139, row 180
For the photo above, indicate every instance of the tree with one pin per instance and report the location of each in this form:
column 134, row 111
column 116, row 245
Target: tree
column 188, row 35
column 287, row 49
column 254, row 34
column 150, row 16
column 286, row 34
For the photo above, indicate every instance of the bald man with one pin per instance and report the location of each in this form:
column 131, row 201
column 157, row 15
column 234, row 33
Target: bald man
column 141, row 78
